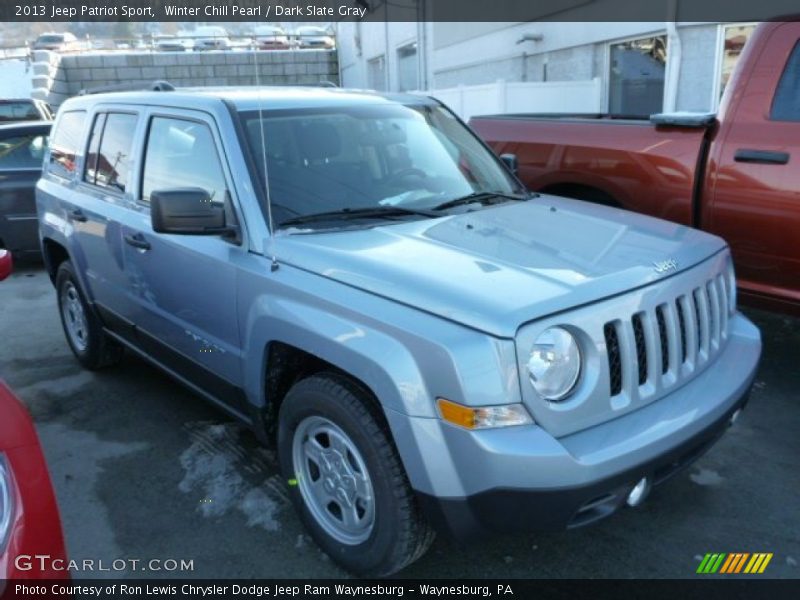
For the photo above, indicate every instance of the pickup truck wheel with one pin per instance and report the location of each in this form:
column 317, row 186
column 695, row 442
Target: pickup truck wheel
column 346, row 479
column 84, row 332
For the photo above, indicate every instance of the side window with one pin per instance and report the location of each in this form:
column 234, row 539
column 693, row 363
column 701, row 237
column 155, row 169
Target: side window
column 22, row 152
column 113, row 158
column 786, row 104
column 182, row 154
column 65, row 143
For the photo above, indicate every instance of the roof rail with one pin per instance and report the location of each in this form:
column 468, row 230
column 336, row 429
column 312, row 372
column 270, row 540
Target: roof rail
column 328, row 84
column 156, row 86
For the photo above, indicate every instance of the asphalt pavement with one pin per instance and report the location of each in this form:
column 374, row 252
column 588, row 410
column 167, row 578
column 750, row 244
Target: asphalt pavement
column 143, row 469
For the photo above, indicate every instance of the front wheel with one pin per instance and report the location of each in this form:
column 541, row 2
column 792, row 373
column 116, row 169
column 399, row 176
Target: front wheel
column 346, row 478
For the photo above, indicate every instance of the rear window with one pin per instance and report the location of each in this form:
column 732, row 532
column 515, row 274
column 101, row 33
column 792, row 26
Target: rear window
column 23, row 110
column 22, row 152
column 786, row 104
column 65, row 142
column 110, row 155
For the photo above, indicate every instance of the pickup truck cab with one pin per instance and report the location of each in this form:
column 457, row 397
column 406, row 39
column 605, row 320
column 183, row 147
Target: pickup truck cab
column 358, row 275
column 733, row 174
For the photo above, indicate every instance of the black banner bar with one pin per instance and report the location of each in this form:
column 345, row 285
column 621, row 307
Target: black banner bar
column 395, row 10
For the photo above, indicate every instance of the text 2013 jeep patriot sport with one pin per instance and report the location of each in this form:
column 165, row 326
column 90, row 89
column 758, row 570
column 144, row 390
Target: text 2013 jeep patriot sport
column 436, row 348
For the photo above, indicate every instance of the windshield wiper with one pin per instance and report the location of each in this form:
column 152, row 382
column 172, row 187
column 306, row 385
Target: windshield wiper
column 483, row 198
column 374, row 212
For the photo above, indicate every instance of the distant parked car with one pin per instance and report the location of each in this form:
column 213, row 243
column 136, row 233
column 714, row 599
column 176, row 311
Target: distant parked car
column 211, row 37
column 271, row 37
column 29, row 521
column 57, row 42
column 171, row 43
column 314, row 37
column 24, row 109
column 22, row 148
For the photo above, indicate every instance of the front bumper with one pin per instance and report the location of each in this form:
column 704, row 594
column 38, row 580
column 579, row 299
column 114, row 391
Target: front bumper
column 522, row 478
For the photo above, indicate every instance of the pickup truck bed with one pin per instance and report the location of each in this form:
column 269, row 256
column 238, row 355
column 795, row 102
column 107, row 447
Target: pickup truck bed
column 733, row 175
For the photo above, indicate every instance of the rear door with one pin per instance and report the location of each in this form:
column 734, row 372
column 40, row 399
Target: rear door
column 183, row 287
column 754, row 173
column 98, row 202
column 21, row 154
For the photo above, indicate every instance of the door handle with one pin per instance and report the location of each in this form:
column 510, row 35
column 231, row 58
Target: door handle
column 77, row 215
column 137, row 241
column 764, row 157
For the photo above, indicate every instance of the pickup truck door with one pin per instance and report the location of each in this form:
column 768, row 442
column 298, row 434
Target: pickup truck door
column 184, row 286
column 753, row 198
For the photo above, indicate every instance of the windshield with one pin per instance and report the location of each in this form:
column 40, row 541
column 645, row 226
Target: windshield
column 24, row 110
column 369, row 156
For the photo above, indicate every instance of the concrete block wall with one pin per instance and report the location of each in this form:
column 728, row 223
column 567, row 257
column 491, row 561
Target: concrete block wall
column 188, row 69
column 49, row 81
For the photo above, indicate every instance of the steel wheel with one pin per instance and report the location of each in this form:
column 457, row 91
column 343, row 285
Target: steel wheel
column 333, row 480
column 74, row 317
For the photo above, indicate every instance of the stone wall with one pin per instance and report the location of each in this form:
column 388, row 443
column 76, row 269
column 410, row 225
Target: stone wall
column 69, row 74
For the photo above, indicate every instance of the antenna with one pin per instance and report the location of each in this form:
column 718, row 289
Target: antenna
column 274, row 266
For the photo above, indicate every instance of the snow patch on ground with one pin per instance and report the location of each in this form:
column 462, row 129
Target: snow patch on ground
column 219, row 470
column 706, row 477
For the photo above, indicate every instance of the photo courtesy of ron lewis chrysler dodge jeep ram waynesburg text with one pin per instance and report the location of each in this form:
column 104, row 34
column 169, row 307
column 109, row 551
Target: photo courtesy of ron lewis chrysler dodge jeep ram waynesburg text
column 434, row 347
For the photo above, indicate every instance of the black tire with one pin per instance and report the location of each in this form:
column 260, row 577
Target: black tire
column 399, row 533
column 97, row 350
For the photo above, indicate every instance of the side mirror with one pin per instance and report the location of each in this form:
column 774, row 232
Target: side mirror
column 510, row 160
column 187, row 211
column 6, row 263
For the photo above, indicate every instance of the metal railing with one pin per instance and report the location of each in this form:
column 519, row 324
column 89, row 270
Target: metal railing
column 189, row 42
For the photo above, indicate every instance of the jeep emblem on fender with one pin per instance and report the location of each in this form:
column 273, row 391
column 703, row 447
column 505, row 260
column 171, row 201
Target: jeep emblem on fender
column 663, row 266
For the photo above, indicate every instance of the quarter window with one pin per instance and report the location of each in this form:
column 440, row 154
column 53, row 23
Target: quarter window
column 182, row 154
column 22, row 152
column 786, row 105
column 65, row 143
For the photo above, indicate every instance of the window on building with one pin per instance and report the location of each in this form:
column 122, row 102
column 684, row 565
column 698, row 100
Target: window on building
column 786, row 105
column 66, row 140
column 108, row 162
column 407, row 68
column 636, row 80
column 182, row 154
column 376, row 73
column 734, row 37
column 22, row 152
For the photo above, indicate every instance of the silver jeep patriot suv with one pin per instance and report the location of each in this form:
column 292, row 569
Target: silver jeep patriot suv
column 432, row 347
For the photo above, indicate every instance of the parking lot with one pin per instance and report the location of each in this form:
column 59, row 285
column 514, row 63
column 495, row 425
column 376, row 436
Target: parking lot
column 143, row 469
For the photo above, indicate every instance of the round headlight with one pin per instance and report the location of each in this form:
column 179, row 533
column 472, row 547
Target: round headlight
column 554, row 364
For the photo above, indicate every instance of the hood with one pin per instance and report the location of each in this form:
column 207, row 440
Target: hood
column 497, row 268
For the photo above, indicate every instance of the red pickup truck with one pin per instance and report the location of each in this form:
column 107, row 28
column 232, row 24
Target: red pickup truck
column 735, row 174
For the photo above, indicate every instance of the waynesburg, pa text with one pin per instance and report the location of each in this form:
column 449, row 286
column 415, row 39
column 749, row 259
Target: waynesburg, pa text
column 255, row 590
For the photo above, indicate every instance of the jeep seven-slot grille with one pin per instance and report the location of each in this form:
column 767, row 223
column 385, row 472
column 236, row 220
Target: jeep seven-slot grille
column 687, row 330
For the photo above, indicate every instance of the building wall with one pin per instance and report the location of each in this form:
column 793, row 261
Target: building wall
column 474, row 54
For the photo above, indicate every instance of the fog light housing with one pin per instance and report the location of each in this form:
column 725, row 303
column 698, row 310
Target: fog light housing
column 483, row 417
column 639, row 492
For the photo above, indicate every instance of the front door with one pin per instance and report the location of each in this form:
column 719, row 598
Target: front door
column 183, row 287
column 754, row 176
